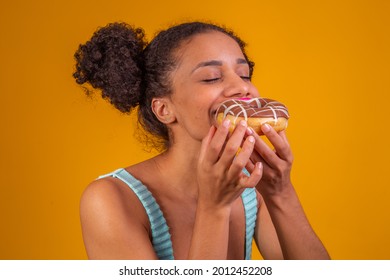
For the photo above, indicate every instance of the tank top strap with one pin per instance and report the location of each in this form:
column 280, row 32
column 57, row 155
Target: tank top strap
column 250, row 206
column 161, row 237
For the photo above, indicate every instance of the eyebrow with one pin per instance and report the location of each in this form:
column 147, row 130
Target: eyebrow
column 217, row 63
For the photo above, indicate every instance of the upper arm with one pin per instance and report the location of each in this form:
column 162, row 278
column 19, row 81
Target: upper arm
column 114, row 223
column 265, row 234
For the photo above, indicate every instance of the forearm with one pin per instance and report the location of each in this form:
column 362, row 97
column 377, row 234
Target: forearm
column 210, row 235
column 296, row 236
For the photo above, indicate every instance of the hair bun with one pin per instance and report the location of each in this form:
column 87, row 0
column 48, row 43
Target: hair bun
column 112, row 61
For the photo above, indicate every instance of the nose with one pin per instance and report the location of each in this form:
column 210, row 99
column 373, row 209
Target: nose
column 237, row 86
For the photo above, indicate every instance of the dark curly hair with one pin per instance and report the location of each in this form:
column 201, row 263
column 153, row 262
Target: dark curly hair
column 130, row 72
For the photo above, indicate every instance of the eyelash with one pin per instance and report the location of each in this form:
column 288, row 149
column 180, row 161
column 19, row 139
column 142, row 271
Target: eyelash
column 211, row 80
column 246, row 78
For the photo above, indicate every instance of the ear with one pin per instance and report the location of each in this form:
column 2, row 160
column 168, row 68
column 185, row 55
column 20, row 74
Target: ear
column 162, row 108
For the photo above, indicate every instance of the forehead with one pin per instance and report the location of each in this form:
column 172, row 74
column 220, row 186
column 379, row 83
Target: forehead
column 209, row 46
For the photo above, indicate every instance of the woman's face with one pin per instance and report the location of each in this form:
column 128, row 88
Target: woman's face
column 211, row 69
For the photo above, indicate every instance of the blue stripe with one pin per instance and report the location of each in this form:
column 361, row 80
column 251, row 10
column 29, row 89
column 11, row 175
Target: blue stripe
column 250, row 206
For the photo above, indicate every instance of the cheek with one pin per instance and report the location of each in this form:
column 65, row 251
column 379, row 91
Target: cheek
column 254, row 91
column 196, row 117
column 193, row 107
column 197, row 120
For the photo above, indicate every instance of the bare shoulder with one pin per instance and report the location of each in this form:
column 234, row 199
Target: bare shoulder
column 103, row 192
column 109, row 198
column 112, row 218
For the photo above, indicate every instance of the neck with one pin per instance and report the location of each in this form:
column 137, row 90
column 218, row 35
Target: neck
column 179, row 165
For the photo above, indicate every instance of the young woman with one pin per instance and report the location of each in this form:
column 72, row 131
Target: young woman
column 198, row 199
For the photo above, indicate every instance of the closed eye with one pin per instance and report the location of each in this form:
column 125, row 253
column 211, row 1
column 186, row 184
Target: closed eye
column 211, row 80
column 247, row 78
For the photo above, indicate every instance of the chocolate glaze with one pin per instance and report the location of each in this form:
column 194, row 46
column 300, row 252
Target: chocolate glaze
column 253, row 108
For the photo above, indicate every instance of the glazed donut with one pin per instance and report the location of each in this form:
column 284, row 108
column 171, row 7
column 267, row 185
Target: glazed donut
column 256, row 111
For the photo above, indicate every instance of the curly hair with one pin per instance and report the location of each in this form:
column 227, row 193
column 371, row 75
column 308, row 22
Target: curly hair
column 130, row 72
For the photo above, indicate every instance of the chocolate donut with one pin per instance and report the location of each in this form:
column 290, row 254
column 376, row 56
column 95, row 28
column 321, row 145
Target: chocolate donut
column 256, row 111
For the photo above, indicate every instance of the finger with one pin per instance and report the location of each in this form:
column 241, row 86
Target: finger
column 242, row 158
column 254, row 158
column 264, row 153
column 233, row 144
column 206, row 142
column 217, row 141
column 288, row 155
column 279, row 141
column 282, row 148
column 254, row 178
column 250, row 166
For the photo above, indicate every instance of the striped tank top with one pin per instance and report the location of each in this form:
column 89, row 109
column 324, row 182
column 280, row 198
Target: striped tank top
column 161, row 237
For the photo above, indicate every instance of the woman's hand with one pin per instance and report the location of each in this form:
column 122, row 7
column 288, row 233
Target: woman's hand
column 220, row 175
column 277, row 163
column 221, row 181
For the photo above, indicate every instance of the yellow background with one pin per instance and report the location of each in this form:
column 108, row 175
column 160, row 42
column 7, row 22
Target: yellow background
column 328, row 61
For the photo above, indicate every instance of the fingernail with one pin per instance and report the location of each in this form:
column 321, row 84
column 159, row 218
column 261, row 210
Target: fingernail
column 243, row 123
column 226, row 123
column 249, row 131
column 251, row 139
column 265, row 127
column 259, row 165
